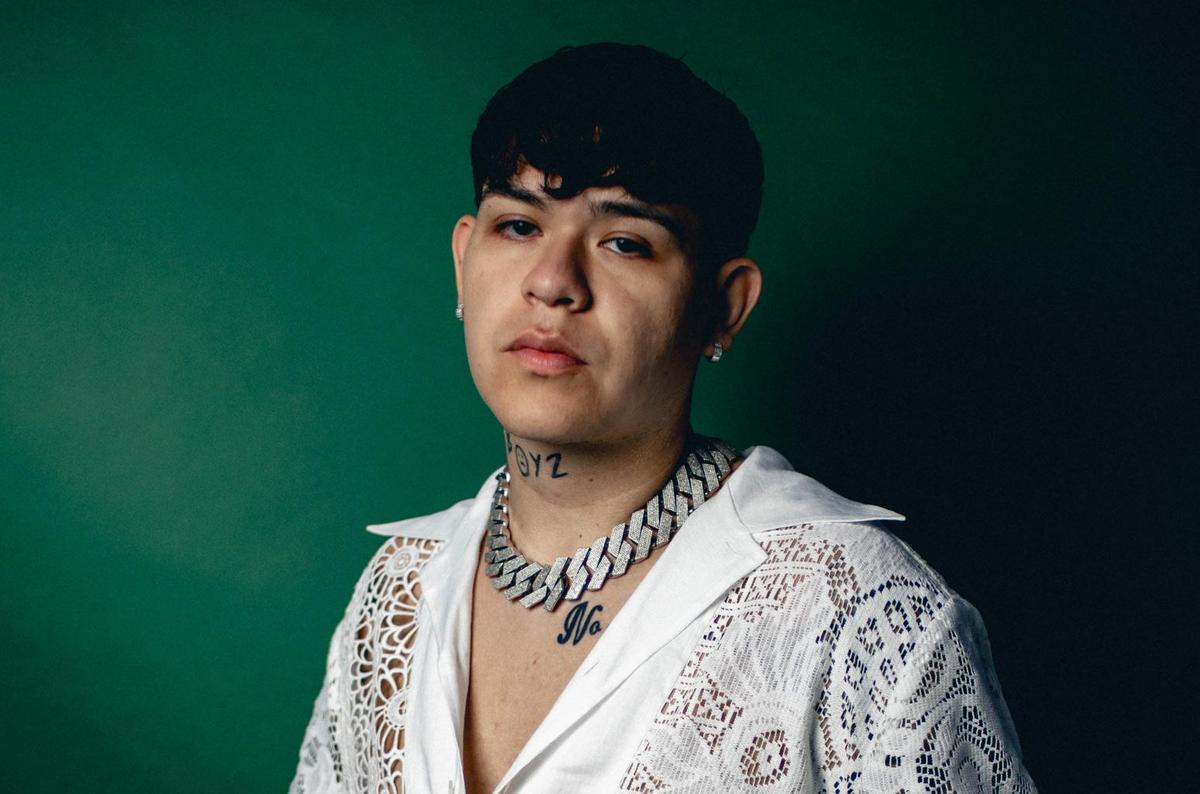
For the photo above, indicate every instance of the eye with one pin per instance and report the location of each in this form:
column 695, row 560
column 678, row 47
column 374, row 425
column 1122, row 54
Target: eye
column 517, row 228
column 626, row 246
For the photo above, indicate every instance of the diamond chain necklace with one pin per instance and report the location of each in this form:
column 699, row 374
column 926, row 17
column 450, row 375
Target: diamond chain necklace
column 705, row 464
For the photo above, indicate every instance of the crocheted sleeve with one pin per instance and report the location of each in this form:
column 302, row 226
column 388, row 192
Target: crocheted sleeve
column 319, row 770
column 354, row 742
column 841, row 665
column 946, row 727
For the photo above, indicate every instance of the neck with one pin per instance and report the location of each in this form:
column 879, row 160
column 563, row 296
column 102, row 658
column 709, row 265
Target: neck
column 563, row 497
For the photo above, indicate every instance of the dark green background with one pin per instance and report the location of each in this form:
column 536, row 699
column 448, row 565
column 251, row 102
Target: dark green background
column 227, row 341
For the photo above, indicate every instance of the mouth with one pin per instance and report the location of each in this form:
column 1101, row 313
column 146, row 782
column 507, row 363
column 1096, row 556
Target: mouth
column 545, row 354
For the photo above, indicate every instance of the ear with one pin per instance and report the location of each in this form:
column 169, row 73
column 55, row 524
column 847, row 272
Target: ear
column 739, row 283
column 459, row 239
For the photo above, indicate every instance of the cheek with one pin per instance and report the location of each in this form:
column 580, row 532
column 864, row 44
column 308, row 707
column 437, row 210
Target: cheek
column 483, row 302
column 475, row 290
column 483, row 343
column 478, row 331
column 654, row 337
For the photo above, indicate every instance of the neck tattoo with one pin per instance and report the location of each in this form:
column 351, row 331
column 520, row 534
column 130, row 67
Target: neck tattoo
column 703, row 467
column 535, row 464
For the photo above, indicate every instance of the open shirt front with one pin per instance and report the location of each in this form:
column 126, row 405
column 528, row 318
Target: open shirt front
column 783, row 642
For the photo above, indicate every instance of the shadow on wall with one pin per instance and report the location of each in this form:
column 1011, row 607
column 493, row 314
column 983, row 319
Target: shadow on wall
column 1008, row 411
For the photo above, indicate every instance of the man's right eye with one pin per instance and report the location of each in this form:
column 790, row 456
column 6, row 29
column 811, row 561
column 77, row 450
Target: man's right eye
column 516, row 228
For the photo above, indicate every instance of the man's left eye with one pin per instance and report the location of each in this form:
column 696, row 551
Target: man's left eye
column 623, row 245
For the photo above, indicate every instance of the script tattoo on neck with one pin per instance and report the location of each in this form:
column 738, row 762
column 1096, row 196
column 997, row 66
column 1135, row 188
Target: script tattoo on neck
column 530, row 464
column 575, row 626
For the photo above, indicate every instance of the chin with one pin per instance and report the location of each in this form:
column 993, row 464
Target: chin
column 552, row 413
column 545, row 426
column 548, row 420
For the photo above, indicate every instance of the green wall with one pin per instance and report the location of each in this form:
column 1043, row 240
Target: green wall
column 227, row 339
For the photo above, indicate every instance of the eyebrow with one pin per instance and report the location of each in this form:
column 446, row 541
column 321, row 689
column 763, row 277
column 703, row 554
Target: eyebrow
column 644, row 211
column 621, row 207
column 517, row 193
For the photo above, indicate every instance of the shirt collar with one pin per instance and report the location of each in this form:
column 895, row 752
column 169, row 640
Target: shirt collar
column 765, row 493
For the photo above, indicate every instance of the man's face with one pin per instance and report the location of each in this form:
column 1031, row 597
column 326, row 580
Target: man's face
column 579, row 314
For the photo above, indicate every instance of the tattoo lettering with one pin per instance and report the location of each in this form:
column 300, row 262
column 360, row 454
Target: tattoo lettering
column 524, row 458
column 576, row 625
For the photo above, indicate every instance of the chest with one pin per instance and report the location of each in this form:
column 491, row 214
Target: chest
column 521, row 660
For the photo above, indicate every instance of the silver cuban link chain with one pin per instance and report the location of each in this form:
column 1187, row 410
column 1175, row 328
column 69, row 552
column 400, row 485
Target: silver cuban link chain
column 705, row 464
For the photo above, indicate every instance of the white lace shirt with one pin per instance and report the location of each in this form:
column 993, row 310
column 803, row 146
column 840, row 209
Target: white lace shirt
column 784, row 642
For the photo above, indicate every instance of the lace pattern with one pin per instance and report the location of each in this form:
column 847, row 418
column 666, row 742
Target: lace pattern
column 895, row 692
column 841, row 664
column 355, row 739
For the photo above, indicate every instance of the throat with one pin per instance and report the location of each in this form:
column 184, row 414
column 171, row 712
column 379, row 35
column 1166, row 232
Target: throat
column 526, row 566
column 563, row 496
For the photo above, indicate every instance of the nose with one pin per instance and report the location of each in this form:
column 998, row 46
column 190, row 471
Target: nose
column 557, row 277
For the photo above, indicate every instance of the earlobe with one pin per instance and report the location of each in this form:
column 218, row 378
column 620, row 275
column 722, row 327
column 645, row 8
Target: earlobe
column 459, row 238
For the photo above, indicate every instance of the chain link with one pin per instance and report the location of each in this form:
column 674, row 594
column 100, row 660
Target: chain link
column 705, row 464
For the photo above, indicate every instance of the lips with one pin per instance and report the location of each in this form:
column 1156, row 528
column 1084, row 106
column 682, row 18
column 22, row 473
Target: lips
column 545, row 352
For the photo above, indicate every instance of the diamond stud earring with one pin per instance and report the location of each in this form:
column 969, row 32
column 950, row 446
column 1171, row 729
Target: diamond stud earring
column 716, row 354
column 458, row 312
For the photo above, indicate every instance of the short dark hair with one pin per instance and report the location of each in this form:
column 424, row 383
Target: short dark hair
column 626, row 115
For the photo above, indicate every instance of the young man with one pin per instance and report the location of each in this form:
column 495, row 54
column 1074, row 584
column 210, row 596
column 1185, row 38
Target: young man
column 626, row 605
